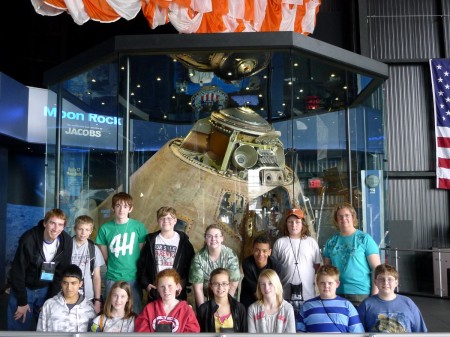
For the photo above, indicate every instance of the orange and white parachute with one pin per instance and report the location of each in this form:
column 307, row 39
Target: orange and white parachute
column 194, row 16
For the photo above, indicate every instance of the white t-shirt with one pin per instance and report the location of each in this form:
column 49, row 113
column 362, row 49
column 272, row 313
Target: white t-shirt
column 307, row 253
column 165, row 251
column 50, row 249
column 80, row 257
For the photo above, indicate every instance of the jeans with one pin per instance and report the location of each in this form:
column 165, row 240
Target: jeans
column 35, row 299
column 136, row 293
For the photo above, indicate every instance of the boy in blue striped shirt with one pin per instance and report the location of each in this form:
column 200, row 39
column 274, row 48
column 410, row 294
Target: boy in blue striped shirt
column 328, row 312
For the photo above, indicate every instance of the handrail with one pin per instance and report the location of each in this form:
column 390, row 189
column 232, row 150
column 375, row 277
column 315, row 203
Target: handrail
column 394, row 254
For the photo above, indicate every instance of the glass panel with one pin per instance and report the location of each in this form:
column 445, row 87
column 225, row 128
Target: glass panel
column 91, row 142
column 234, row 138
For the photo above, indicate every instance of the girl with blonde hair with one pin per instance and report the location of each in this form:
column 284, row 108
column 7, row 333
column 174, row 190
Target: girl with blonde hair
column 270, row 313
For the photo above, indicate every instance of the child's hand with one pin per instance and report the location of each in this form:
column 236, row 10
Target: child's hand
column 150, row 287
column 97, row 306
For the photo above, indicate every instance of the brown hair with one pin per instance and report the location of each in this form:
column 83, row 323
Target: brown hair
column 163, row 211
column 55, row 212
column 217, row 271
column 214, row 226
column 386, row 269
column 305, row 228
column 327, row 270
column 338, row 207
column 128, row 310
column 122, row 196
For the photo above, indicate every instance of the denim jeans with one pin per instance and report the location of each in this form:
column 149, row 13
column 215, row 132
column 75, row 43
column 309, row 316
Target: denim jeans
column 136, row 293
column 35, row 299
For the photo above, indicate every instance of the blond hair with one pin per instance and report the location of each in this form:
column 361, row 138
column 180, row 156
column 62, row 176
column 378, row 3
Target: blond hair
column 84, row 219
column 273, row 278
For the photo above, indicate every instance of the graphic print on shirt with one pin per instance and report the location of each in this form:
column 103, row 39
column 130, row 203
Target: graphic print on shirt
column 165, row 256
column 390, row 322
column 345, row 247
column 80, row 258
column 166, row 320
column 120, row 245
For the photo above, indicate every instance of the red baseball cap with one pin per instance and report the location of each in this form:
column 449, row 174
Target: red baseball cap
column 297, row 212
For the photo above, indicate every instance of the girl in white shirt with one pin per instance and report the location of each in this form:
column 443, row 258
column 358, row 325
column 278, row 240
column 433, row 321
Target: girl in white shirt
column 270, row 313
column 118, row 315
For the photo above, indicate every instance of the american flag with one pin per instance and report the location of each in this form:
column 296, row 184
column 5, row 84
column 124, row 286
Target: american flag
column 440, row 78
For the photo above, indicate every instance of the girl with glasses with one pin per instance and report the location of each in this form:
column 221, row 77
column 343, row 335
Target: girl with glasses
column 222, row 313
column 213, row 255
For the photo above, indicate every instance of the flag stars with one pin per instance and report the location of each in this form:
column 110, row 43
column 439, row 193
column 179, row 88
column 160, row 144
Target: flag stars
column 448, row 113
column 441, row 93
column 439, row 67
column 440, row 79
column 447, row 99
column 446, row 73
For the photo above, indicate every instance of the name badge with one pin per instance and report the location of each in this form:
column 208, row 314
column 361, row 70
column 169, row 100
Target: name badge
column 48, row 271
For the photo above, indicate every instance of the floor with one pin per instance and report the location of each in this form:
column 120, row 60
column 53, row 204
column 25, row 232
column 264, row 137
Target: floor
column 436, row 312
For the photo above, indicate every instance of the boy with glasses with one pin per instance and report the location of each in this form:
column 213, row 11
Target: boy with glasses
column 164, row 249
column 388, row 311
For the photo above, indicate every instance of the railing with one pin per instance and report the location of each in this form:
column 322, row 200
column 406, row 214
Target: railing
column 421, row 271
column 163, row 334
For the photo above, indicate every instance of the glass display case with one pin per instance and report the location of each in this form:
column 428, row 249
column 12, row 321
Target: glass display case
column 231, row 129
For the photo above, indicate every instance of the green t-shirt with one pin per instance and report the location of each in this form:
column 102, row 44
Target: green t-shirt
column 122, row 242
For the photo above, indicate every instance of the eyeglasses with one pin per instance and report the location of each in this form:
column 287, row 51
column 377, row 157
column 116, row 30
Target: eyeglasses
column 217, row 284
column 209, row 236
column 389, row 280
column 344, row 216
column 166, row 218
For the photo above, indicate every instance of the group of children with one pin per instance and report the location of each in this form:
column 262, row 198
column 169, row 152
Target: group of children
column 270, row 313
column 163, row 268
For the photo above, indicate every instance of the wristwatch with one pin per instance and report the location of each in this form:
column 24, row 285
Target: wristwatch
column 97, row 300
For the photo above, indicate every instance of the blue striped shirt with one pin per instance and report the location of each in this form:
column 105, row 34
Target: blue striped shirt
column 329, row 315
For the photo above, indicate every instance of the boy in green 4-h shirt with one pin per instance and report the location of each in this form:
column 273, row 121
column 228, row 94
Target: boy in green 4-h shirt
column 120, row 241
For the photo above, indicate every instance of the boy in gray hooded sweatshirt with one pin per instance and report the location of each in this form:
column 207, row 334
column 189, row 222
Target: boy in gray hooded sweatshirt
column 68, row 311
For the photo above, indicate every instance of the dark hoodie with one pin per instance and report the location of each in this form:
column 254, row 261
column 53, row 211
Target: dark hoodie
column 26, row 266
column 146, row 266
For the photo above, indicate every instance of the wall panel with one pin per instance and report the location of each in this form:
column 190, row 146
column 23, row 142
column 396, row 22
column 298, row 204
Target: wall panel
column 416, row 200
column 409, row 119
